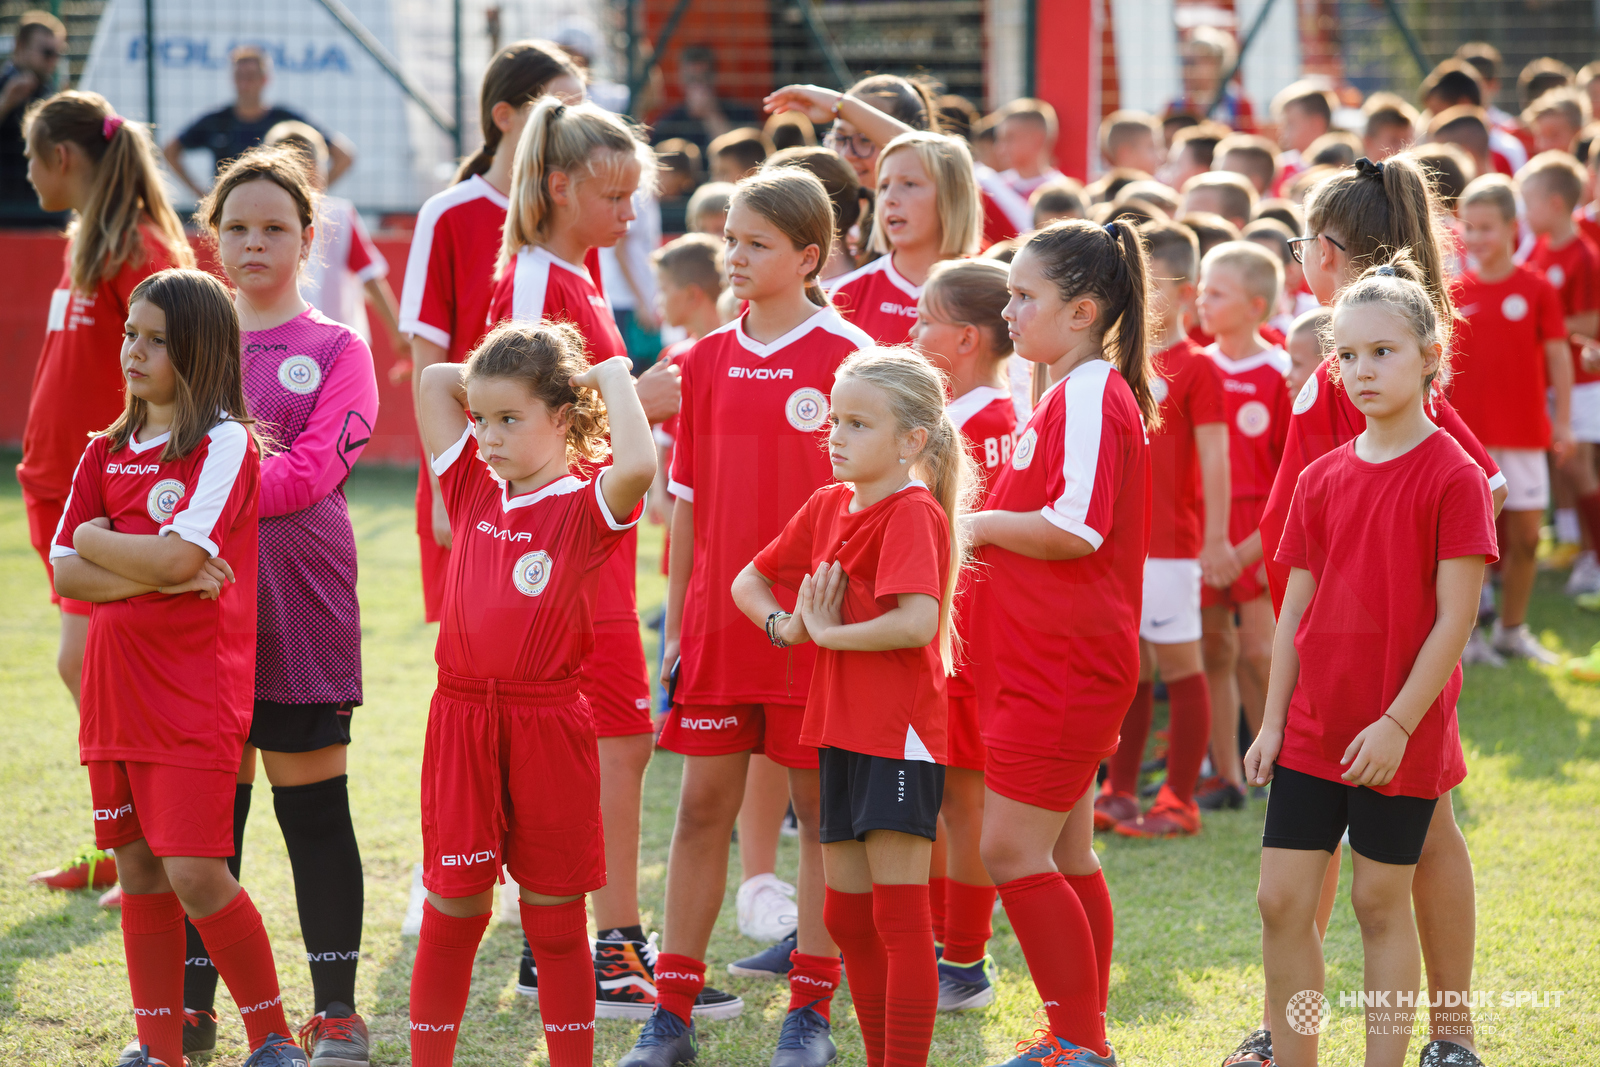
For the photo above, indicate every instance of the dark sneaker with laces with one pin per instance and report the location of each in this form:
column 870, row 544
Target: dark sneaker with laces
column 137, row 1055
column 965, row 988
column 770, row 962
column 714, row 1004
column 277, row 1051
column 1047, row 1050
column 624, row 978
column 528, row 975
column 663, row 1042
column 1218, row 794
column 1256, row 1048
column 336, row 1037
column 199, row 1037
column 806, row 1040
column 1447, row 1054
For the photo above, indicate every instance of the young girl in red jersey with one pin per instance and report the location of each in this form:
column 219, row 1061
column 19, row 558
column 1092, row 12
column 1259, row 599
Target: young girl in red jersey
column 1054, row 621
column 745, row 459
column 960, row 330
column 165, row 719
column 510, row 770
column 577, row 168
column 873, row 561
column 926, row 210
column 84, row 158
column 1360, row 731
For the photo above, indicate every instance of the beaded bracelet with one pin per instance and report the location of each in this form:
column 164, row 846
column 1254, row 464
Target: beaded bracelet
column 775, row 620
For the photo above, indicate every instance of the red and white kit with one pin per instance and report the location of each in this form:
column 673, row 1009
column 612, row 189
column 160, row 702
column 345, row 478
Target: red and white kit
column 333, row 280
column 748, row 455
column 1055, row 644
column 1574, row 271
column 169, row 680
column 1256, row 405
column 889, row 703
column 1499, row 376
column 614, row 677
column 879, row 300
column 510, row 771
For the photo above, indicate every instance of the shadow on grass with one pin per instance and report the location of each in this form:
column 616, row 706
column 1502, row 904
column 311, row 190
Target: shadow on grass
column 78, row 921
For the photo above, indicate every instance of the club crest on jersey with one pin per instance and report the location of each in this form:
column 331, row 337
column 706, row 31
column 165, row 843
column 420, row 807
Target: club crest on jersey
column 532, row 573
column 1514, row 307
column 1555, row 275
column 1253, row 418
column 164, row 498
column 806, row 409
column 1308, row 394
column 1158, row 389
column 1022, row 455
column 299, row 374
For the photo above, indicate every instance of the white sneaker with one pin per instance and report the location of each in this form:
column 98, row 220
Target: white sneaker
column 1585, row 576
column 1478, row 651
column 767, row 909
column 1520, row 642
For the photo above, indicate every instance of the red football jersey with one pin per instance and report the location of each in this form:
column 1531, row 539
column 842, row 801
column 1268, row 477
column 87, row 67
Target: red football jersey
column 1256, row 404
column 508, row 553
column 78, row 383
column 450, row 268
column 1372, row 535
column 748, row 455
column 877, row 299
column 1188, row 387
column 1054, row 645
column 1498, row 368
column 171, row 679
column 1574, row 270
column 987, row 418
column 889, row 703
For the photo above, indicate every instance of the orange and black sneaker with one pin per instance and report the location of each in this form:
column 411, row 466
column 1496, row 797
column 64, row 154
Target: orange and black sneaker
column 624, row 978
column 1113, row 808
column 1168, row 817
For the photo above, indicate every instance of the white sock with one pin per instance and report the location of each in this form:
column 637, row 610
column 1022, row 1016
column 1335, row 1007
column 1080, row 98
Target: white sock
column 1567, row 526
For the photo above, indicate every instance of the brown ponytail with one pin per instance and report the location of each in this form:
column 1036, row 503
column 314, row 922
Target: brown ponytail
column 125, row 193
column 794, row 201
column 517, row 74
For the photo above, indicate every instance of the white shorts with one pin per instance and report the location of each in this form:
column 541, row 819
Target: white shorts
column 1527, row 474
column 1586, row 412
column 1171, row 613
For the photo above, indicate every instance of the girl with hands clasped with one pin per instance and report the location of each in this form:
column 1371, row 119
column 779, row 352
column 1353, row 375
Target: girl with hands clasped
column 873, row 558
column 1363, row 733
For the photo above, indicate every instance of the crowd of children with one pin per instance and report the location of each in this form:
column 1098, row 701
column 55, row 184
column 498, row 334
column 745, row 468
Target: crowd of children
column 961, row 462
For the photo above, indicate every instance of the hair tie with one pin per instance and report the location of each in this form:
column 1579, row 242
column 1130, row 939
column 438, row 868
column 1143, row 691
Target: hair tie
column 1386, row 271
column 1111, row 227
column 1368, row 168
column 555, row 112
column 111, row 125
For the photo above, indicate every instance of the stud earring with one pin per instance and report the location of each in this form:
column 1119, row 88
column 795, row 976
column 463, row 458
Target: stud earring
column 902, row 459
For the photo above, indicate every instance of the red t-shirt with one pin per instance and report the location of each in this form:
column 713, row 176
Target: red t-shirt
column 78, row 383
column 450, row 268
column 523, row 570
column 1498, row 369
column 1574, row 270
column 877, row 299
column 1054, row 644
column 1256, row 405
column 1372, row 535
column 171, row 679
column 1324, row 418
column 748, row 455
column 889, row 703
column 1189, row 389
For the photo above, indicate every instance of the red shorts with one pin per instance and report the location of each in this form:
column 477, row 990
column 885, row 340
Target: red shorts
column 1048, row 782
column 179, row 811
column 722, row 729
column 435, row 560
column 1244, row 519
column 44, row 516
column 964, row 746
column 511, row 774
column 613, row 679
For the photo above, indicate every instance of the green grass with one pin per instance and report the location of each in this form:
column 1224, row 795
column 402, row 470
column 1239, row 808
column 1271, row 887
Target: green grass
column 1186, row 975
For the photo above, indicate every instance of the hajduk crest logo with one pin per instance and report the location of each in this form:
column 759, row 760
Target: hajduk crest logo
column 1022, row 455
column 1514, row 307
column 164, row 498
column 1308, row 393
column 532, row 573
column 1158, row 389
column 299, row 374
column 806, row 409
column 1253, row 418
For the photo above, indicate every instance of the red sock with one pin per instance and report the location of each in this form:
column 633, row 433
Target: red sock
column 1188, row 733
column 1096, row 900
column 812, row 981
column 1125, row 762
column 153, row 940
column 559, row 937
column 679, row 980
column 441, row 979
column 938, row 902
column 911, row 999
column 848, row 917
column 1058, row 944
column 239, row 949
column 968, row 926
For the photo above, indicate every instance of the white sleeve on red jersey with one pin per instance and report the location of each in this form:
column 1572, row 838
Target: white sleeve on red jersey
column 428, row 295
column 447, row 459
column 530, row 285
column 204, row 514
column 365, row 261
column 85, row 501
column 1084, row 505
column 605, row 509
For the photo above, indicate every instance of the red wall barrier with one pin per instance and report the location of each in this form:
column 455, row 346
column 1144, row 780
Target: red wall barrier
column 35, row 256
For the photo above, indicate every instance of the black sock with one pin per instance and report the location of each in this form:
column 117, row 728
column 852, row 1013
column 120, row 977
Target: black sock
column 199, row 976
column 621, row 933
column 328, row 886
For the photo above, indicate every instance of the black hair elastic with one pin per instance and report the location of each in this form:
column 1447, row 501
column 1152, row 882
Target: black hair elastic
column 1367, row 168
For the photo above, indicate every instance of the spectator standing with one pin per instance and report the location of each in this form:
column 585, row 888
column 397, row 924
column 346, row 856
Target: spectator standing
column 28, row 75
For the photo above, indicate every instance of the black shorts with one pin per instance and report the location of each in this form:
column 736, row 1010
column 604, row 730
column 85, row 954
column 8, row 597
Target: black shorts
column 1307, row 813
column 300, row 727
column 862, row 793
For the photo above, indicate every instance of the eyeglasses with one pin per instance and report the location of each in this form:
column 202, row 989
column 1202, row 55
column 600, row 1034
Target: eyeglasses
column 858, row 145
column 1297, row 249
